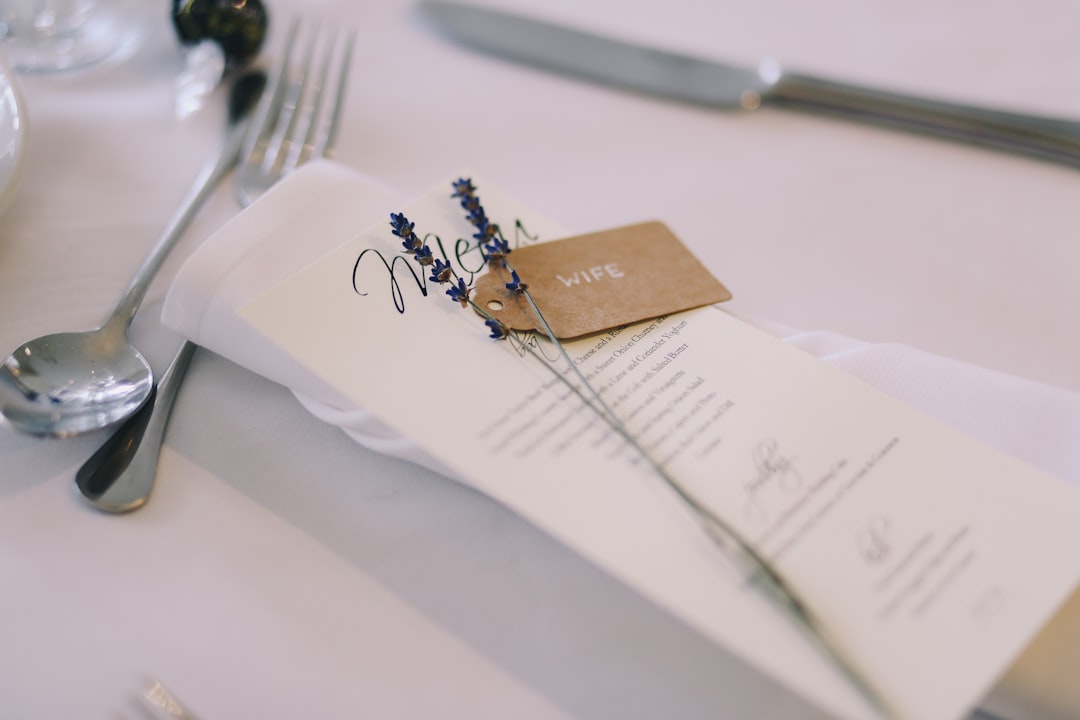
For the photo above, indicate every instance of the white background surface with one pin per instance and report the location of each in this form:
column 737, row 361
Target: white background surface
column 282, row 571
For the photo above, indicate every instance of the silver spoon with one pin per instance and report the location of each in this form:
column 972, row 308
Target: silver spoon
column 118, row 478
column 68, row 383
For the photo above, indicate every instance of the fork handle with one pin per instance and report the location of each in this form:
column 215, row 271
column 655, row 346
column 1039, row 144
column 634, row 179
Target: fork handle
column 1053, row 139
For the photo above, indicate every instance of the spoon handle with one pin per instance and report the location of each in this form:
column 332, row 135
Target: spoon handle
column 120, row 475
column 245, row 91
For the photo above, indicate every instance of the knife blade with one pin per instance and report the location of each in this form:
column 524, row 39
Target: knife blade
column 622, row 64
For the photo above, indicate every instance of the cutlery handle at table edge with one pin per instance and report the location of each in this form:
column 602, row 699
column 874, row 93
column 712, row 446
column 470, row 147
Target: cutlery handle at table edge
column 120, row 475
column 1046, row 138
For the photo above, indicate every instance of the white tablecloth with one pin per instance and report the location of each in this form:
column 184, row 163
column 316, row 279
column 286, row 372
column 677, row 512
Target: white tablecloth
column 282, row 571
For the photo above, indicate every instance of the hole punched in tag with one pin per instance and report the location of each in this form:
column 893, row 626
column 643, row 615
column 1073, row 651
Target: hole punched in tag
column 598, row 281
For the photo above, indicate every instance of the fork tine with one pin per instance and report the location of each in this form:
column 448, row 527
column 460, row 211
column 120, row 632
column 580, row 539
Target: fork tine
column 304, row 147
column 302, row 112
column 324, row 102
column 295, row 108
column 264, row 121
column 329, row 139
column 266, row 113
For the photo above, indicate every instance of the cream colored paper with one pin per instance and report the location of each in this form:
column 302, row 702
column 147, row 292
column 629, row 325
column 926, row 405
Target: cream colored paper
column 932, row 558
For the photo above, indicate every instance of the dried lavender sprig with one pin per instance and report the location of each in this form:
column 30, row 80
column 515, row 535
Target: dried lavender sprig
column 493, row 245
column 402, row 228
column 442, row 272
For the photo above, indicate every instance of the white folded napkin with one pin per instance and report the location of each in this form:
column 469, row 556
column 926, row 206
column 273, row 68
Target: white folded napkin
column 1033, row 421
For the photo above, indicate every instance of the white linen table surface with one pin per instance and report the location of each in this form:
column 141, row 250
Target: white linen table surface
column 282, row 570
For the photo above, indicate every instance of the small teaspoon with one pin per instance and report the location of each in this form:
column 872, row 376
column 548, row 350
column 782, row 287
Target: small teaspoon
column 69, row 383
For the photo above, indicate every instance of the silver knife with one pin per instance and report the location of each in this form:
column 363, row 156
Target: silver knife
column 690, row 79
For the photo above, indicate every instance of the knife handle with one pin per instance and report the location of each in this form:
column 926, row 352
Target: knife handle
column 1052, row 139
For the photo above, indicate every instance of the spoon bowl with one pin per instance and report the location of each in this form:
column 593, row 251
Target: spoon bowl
column 73, row 382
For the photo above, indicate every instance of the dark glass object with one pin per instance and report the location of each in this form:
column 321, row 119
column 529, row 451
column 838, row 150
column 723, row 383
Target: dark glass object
column 238, row 26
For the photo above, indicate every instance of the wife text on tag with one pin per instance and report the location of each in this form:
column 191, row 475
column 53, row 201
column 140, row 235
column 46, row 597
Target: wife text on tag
column 591, row 283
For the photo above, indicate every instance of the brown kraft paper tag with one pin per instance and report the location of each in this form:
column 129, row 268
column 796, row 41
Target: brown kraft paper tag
column 590, row 283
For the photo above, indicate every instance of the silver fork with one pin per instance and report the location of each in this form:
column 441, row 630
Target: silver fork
column 296, row 120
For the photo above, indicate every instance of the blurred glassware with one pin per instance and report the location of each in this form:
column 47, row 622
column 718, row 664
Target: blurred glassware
column 52, row 35
column 204, row 68
column 13, row 135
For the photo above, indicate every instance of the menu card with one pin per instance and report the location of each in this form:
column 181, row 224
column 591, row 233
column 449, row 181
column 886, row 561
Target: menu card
column 930, row 559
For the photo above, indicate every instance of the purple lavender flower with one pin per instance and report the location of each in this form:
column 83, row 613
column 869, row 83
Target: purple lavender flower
column 441, row 272
column 424, row 256
column 463, row 187
column 496, row 250
column 499, row 331
column 489, row 238
column 460, row 292
column 401, row 227
column 515, row 285
column 487, row 232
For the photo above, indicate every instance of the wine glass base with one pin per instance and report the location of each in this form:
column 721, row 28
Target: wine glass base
column 51, row 41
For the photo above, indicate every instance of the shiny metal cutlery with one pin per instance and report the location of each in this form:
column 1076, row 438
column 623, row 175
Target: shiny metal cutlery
column 296, row 120
column 690, row 79
column 64, row 384
column 119, row 476
column 163, row 704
